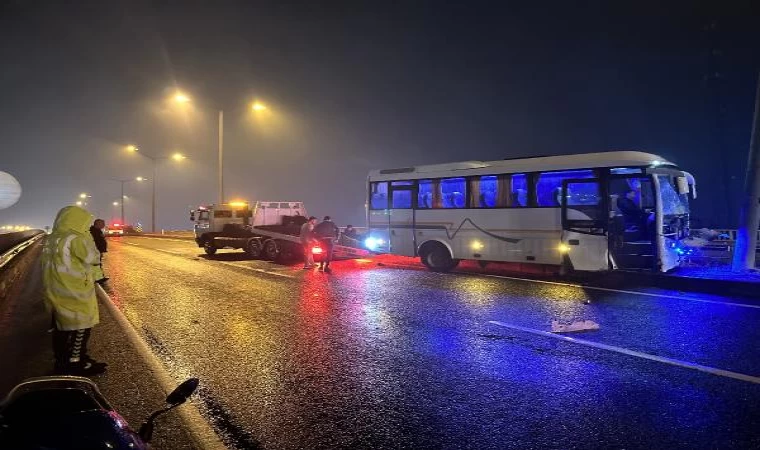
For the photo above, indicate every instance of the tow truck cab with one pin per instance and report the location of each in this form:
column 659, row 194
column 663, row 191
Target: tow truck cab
column 266, row 229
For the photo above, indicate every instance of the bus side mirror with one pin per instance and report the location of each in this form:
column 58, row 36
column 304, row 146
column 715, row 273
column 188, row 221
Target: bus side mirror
column 192, row 216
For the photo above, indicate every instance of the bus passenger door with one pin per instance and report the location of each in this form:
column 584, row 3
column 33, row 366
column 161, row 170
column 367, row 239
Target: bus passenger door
column 584, row 225
column 631, row 229
column 401, row 218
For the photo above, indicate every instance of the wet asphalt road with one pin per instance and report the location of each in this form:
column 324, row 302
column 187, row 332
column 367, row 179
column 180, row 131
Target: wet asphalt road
column 397, row 357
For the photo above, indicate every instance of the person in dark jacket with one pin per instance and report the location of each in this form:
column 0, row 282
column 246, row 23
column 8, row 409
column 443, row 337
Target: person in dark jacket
column 96, row 230
column 634, row 215
column 327, row 232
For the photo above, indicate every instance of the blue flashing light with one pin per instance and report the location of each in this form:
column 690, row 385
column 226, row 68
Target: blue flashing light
column 373, row 243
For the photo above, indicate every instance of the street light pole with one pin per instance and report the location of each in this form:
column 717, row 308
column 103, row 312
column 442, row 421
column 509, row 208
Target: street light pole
column 749, row 215
column 122, row 202
column 153, row 199
column 221, row 157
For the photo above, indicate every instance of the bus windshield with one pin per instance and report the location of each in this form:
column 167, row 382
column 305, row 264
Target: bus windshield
column 673, row 203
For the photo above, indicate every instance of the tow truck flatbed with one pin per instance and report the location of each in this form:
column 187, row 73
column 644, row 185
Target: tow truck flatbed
column 269, row 230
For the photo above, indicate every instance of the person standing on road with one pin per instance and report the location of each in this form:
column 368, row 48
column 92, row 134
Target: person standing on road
column 307, row 240
column 350, row 232
column 96, row 230
column 68, row 259
column 327, row 232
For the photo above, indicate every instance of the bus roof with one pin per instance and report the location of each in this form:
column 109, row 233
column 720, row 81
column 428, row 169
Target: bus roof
column 533, row 164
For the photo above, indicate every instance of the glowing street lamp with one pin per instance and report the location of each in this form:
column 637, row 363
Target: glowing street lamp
column 257, row 106
column 179, row 97
column 176, row 157
column 79, row 203
column 83, row 195
column 115, row 203
column 132, row 148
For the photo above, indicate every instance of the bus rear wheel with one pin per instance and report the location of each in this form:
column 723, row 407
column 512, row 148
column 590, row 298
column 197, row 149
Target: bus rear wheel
column 437, row 258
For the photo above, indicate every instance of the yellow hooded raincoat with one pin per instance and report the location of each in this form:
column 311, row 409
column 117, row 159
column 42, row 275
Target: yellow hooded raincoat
column 67, row 270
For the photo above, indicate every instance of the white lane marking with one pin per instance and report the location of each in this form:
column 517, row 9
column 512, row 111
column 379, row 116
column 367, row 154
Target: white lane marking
column 622, row 291
column 187, row 241
column 201, row 432
column 625, row 351
column 254, row 269
column 171, row 252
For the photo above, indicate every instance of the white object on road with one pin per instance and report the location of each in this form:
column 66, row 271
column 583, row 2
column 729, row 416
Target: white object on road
column 10, row 190
column 578, row 325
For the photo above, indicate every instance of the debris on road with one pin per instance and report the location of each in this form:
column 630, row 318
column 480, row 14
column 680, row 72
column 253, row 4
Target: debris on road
column 578, row 325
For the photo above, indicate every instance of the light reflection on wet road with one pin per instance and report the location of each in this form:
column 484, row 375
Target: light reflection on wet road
column 375, row 356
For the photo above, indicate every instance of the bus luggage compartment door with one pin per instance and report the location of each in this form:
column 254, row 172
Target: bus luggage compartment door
column 584, row 224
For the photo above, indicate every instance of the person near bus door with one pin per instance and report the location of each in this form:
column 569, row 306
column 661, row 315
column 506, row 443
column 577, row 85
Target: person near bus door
column 327, row 233
column 307, row 240
column 96, row 230
column 68, row 261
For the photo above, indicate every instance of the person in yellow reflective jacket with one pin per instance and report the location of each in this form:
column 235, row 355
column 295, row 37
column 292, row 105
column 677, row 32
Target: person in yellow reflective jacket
column 68, row 264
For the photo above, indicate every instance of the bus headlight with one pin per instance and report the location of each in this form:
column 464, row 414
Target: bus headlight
column 563, row 248
column 477, row 245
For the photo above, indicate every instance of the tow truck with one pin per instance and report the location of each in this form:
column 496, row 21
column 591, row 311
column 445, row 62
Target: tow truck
column 264, row 230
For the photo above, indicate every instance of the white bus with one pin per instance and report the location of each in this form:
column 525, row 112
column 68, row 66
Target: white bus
column 589, row 212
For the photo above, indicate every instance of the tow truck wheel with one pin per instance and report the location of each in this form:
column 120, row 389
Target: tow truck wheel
column 209, row 248
column 253, row 249
column 271, row 250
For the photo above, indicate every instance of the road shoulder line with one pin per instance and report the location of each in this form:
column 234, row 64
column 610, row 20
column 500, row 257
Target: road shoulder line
column 625, row 351
column 622, row 291
column 254, row 269
column 202, row 433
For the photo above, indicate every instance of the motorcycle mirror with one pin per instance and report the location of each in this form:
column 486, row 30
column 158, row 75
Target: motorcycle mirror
column 176, row 398
column 183, row 392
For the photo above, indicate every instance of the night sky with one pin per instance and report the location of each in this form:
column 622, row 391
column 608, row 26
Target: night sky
column 354, row 86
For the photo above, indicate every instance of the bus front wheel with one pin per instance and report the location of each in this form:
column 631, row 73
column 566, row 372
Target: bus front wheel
column 437, row 258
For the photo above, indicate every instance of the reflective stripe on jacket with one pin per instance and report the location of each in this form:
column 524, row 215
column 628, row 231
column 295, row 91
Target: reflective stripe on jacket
column 68, row 260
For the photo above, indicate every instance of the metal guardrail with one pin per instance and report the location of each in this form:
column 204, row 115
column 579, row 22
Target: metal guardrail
column 10, row 240
column 12, row 244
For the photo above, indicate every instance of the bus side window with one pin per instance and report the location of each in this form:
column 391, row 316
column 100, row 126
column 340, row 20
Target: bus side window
column 549, row 185
column 483, row 191
column 519, row 190
column 425, row 194
column 453, row 192
column 402, row 200
column 379, row 195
